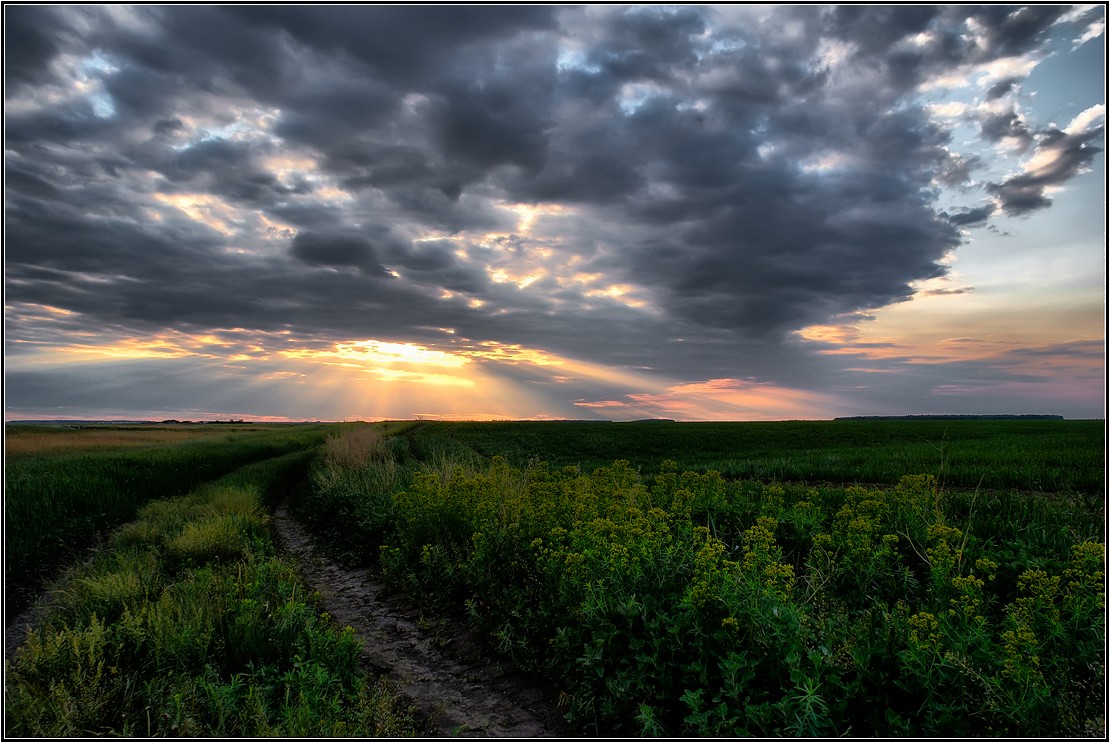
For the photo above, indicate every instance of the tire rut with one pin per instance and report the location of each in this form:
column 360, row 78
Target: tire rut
column 454, row 687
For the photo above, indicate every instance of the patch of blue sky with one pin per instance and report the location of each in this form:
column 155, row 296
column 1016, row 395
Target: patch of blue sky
column 573, row 59
column 212, row 133
column 102, row 104
column 96, row 65
column 1032, row 257
column 91, row 71
column 1069, row 81
column 635, row 95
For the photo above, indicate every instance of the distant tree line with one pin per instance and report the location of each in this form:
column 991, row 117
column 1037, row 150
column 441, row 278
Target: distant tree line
column 949, row 417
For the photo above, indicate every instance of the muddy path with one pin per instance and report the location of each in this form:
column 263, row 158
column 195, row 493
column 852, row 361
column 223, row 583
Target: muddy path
column 454, row 683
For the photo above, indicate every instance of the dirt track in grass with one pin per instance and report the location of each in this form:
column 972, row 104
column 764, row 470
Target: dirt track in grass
column 456, row 684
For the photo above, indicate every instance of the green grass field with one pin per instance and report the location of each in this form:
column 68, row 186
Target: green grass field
column 1035, row 455
column 65, row 486
column 186, row 623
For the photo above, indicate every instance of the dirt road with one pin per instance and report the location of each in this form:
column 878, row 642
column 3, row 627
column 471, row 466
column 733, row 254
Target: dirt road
column 454, row 684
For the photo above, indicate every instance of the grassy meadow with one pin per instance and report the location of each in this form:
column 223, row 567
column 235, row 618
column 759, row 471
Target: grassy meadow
column 1034, row 455
column 186, row 623
column 831, row 578
column 64, row 486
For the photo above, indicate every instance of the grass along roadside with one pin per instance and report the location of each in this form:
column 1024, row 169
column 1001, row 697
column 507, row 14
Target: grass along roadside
column 187, row 623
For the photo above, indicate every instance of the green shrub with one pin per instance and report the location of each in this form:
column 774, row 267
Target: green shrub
column 686, row 604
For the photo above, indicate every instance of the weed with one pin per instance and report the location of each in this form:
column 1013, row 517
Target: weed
column 683, row 603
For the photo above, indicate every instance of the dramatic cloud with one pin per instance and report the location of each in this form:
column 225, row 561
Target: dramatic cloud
column 1059, row 157
column 606, row 184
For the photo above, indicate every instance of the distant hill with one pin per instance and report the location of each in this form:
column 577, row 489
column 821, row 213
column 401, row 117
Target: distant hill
column 951, row 417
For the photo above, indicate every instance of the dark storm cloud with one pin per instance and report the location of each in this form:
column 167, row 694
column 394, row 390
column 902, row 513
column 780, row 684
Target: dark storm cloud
column 944, row 37
column 876, row 28
column 57, row 235
column 648, row 43
column 434, row 263
column 407, row 45
column 334, row 250
column 205, row 48
column 30, row 42
column 307, row 215
column 746, row 185
column 30, row 184
column 486, row 126
column 221, row 167
column 731, row 246
column 336, row 110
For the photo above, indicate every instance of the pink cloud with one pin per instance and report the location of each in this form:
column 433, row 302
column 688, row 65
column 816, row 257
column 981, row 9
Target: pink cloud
column 725, row 399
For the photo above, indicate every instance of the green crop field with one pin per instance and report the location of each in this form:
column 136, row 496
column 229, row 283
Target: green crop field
column 1037, row 455
column 63, row 486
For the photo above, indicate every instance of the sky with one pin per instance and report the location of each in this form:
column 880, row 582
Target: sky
column 616, row 212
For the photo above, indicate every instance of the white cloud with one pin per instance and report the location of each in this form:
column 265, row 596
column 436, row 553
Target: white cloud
column 1083, row 122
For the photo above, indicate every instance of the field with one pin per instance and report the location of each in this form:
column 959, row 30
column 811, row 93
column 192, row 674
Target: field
column 64, row 486
column 825, row 578
column 1033, row 455
column 799, row 578
column 31, row 440
column 183, row 621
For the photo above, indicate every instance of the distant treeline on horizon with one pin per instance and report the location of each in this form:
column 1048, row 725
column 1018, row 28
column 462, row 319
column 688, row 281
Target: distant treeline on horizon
column 949, row 417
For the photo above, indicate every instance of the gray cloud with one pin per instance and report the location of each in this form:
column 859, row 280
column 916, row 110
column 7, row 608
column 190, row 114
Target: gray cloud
column 876, row 29
column 1063, row 156
column 1000, row 126
column 972, row 217
column 30, row 41
column 334, row 250
column 1002, row 88
column 267, row 167
column 1008, row 30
